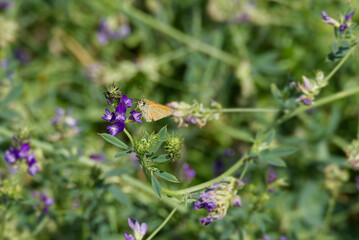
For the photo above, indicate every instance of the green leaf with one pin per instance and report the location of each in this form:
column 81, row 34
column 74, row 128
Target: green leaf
column 122, row 154
column 162, row 133
column 155, row 147
column 113, row 140
column 160, row 159
column 167, row 176
column 268, row 137
column 282, row 151
column 12, row 95
column 116, row 172
column 156, row 185
column 118, row 194
column 271, row 159
column 31, row 202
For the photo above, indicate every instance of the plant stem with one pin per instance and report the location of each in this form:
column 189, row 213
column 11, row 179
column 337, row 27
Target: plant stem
column 190, row 41
column 334, row 97
column 329, row 212
column 129, row 136
column 162, row 224
column 248, row 110
column 40, row 226
column 244, row 171
column 198, row 187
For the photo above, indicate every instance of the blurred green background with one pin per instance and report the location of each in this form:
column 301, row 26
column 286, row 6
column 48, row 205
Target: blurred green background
column 59, row 55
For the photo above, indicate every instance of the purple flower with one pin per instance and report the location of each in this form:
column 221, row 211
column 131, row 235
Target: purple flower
column 108, row 116
column 108, row 31
column 31, row 159
column 236, row 201
column 48, row 201
column 116, row 128
column 4, row 63
column 283, row 238
column 120, row 113
column 305, row 101
column 207, row 220
column 128, row 101
column 188, row 172
column 271, row 177
column 135, row 116
column 198, row 205
column 59, row 114
column 32, row 170
column 327, row 19
column 97, row 157
column 343, row 27
column 266, row 237
column 11, row 155
column 5, row 5
column 64, row 119
column 24, row 149
column 129, row 236
column 349, row 16
column 190, row 119
column 22, row 55
column 210, row 206
column 139, row 230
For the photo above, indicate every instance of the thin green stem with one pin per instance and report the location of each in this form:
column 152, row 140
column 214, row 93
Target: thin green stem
column 340, row 64
column 323, row 101
column 244, row 171
column 190, row 41
column 198, row 187
column 129, row 136
column 246, row 110
column 162, row 224
column 329, row 212
column 178, row 53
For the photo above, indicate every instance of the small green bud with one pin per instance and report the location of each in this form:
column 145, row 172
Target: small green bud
column 174, row 145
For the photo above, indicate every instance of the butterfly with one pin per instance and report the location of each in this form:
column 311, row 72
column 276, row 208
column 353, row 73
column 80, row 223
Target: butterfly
column 153, row 111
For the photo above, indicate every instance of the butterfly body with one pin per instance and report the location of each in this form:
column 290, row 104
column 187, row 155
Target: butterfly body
column 152, row 111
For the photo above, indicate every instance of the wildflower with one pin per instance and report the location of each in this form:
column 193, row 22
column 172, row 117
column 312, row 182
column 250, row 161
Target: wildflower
column 112, row 29
column 116, row 128
column 139, row 230
column 135, row 116
column 98, row 157
column 217, row 198
column 327, row 19
column 310, row 88
column 188, row 173
column 20, row 150
column 5, row 5
column 46, row 201
column 271, row 177
column 108, row 116
column 266, row 237
column 195, row 114
column 352, row 152
column 64, row 121
column 283, row 238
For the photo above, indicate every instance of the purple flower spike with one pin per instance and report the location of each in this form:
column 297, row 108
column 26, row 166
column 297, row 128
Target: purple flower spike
column 33, row 170
column 24, row 150
column 48, row 201
column 31, row 159
column 128, row 101
column 11, row 155
column 135, row 116
column 120, row 113
column 116, row 128
column 108, row 116
column 349, row 16
column 210, row 206
column 198, row 205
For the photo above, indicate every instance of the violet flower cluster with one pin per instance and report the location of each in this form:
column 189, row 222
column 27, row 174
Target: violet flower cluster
column 139, row 230
column 120, row 103
column 46, row 201
column 310, row 88
column 345, row 22
column 217, row 198
column 21, row 151
column 112, row 29
column 188, row 173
